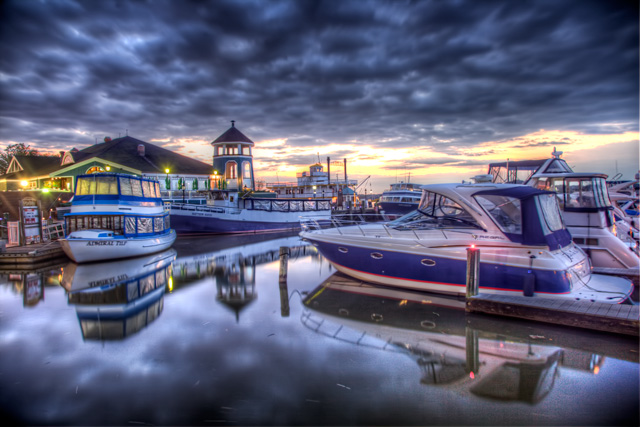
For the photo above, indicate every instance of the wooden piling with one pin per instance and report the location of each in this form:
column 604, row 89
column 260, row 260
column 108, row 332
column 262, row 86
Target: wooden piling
column 284, row 260
column 473, row 271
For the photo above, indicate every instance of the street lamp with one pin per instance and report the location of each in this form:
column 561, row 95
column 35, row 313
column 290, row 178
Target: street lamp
column 215, row 179
column 167, row 183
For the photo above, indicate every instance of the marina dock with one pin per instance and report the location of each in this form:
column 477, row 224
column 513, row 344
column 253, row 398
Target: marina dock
column 32, row 255
column 616, row 318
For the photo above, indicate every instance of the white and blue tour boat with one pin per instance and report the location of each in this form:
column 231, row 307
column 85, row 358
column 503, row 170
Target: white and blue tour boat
column 115, row 216
column 524, row 246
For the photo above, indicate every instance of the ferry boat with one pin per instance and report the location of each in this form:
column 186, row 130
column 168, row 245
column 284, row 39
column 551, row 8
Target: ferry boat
column 228, row 211
column 586, row 206
column 115, row 216
column 400, row 198
column 116, row 299
column 524, row 244
column 234, row 204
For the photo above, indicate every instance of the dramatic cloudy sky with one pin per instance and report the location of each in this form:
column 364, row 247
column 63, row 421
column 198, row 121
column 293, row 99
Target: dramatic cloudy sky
column 437, row 89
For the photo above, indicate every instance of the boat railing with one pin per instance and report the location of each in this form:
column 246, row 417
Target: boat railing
column 351, row 220
column 321, row 326
column 285, row 205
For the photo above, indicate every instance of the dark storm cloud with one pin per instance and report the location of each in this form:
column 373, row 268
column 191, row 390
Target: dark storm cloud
column 395, row 74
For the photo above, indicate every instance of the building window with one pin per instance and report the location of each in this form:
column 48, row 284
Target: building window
column 95, row 169
column 231, row 170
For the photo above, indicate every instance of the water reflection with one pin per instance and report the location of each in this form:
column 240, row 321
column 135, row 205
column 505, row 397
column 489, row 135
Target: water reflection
column 117, row 299
column 234, row 270
column 31, row 283
column 467, row 353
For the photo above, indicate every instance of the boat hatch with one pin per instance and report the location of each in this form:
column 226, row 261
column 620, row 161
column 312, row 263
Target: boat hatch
column 526, row 215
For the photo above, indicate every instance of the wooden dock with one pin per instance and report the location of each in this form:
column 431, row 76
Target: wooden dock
column 616, row 318
column 32, row 255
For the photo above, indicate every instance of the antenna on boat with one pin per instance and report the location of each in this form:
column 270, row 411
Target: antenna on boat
column 556, row 154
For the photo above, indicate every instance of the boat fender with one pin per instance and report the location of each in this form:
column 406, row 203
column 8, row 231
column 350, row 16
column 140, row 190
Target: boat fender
column 529, row 285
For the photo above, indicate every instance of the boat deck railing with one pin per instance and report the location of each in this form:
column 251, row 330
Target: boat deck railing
column 353, row 221
column 379, row 225
column 259, row 204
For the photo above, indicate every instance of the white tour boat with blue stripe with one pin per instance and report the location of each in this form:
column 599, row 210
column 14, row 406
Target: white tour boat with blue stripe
column 116, row 216
column 524, row 244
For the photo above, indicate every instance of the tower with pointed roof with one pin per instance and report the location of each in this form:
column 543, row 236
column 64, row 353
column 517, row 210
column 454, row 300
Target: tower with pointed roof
column 233, row 160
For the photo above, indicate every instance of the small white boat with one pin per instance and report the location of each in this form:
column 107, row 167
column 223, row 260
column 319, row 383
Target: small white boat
column 585, row 204
column 115, row 216
column 524, row 244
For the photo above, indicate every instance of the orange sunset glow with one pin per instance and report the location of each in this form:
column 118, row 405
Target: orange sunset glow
column 274, row 159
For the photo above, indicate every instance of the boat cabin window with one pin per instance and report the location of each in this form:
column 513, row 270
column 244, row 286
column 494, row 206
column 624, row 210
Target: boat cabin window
column 505, row 211
column 136, row 188
column 588, row 192
column 97, row 184
column 125, row 186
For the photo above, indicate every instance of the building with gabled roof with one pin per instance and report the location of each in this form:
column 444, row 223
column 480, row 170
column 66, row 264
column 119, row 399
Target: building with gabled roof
column 124, row 155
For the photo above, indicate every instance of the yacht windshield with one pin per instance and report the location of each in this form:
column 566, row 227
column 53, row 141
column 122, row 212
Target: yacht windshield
column 552, row 218
column 505, row 211
column 436, row 211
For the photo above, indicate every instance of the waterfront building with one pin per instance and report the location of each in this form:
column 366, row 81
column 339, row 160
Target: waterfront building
column 233, row 161
column 126, row 154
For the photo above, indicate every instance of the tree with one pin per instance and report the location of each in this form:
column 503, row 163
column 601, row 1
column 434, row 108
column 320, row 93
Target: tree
column 14, row 150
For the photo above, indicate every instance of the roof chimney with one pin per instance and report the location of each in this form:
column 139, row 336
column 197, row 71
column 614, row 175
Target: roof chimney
column 141, row 150
column 233, row 123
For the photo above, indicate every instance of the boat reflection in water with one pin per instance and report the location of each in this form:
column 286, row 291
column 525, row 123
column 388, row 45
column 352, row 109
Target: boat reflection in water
column 234, row 269
column 464, row 352
column 119, row 298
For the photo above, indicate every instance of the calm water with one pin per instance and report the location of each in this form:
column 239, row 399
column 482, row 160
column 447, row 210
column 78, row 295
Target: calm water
column 207, row 334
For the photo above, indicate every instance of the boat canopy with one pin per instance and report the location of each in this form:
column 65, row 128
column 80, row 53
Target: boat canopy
column 526, row 215
column 520, row 171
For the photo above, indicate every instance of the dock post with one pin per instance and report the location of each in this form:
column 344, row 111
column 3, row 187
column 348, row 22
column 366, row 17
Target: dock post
column 473, row 271
column 284, row 259
column 284, row 289
column 472, row 351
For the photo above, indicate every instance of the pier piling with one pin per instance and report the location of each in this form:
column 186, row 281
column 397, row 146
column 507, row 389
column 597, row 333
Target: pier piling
column 473, row 271
column 284, row 260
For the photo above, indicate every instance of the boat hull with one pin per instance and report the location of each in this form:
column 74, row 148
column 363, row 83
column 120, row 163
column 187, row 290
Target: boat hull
column 83, row 250
column 443, row 270
column 224, row 221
